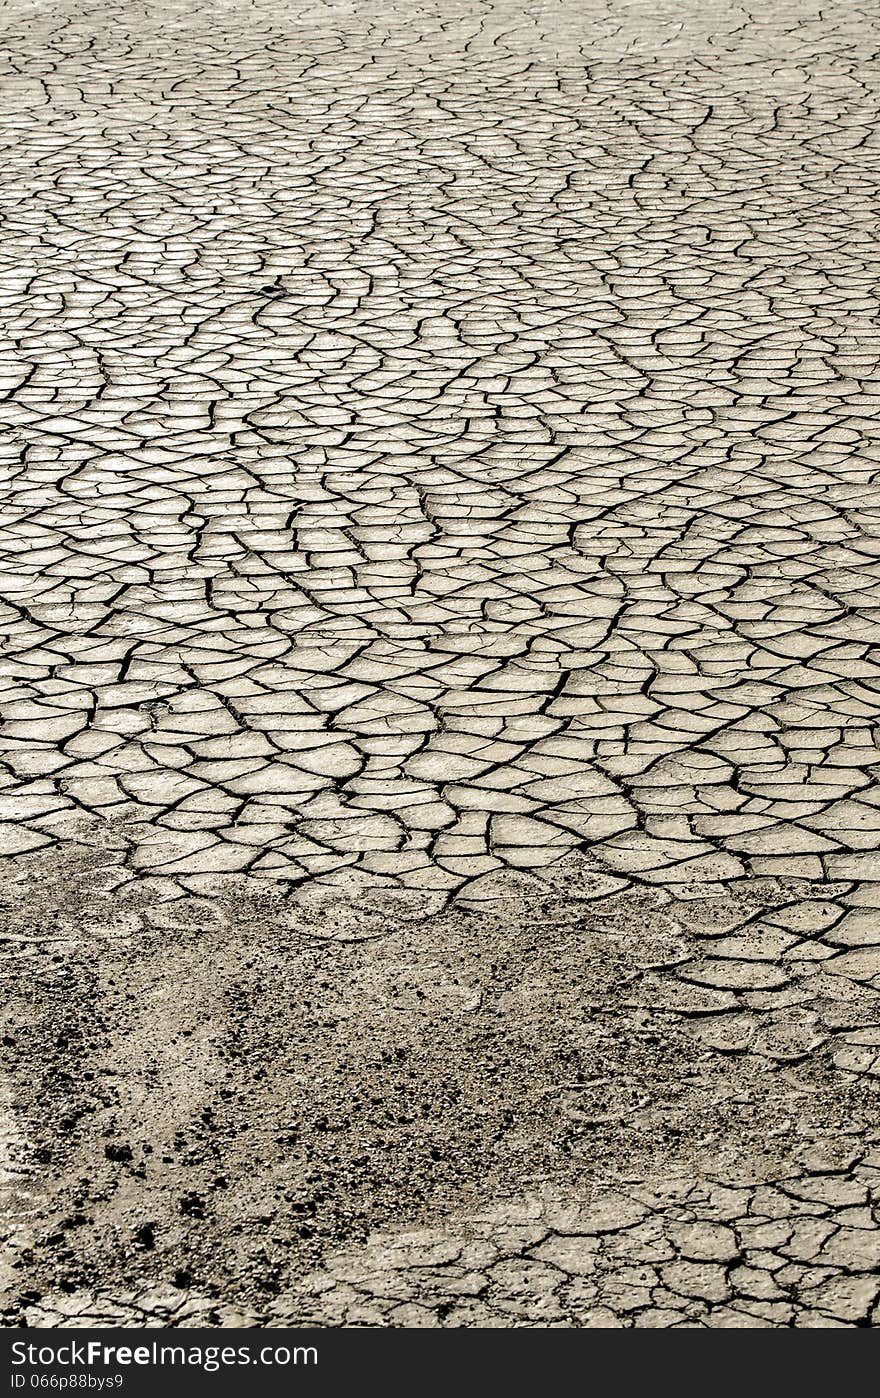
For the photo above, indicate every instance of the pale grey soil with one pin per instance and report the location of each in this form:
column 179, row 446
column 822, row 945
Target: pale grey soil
column 593, row 1105
column 441, row 579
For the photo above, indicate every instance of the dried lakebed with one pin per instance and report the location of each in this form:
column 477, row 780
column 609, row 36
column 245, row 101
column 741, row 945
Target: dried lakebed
column 438, row 749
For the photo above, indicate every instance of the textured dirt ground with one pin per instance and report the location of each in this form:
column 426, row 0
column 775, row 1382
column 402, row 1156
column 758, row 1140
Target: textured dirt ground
column 438, row 743
column 573, row 1104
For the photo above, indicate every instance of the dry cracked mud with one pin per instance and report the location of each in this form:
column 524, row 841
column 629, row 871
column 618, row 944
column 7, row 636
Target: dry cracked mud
column 439, row 757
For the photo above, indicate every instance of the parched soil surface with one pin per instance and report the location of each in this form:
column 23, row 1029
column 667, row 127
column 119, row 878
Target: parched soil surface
column 576, row 1104
column 440, row 606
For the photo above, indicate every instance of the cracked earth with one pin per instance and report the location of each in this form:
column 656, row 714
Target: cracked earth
column 440, row 586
